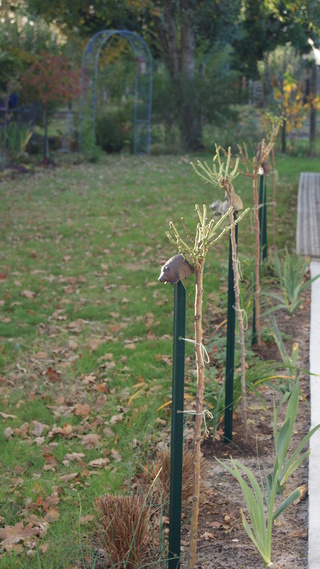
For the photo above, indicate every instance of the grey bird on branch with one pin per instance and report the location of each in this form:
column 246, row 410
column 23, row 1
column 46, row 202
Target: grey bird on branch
column 175, row 269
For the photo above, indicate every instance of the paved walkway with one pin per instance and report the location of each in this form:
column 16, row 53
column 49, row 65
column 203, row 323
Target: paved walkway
column 308, row 216
column 308, row 243
column 314, row 459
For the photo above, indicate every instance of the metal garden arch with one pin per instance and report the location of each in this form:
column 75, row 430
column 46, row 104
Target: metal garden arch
column 143, row 88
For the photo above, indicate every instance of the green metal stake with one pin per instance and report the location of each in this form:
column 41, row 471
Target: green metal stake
column 231, row 323
column 263, row 218
column 264, row 236
column 179, row 325
column 254, row 338
column 263, row 243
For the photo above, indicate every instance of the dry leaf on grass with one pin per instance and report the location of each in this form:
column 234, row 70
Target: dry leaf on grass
column 115, row 418
column 13, row 534
column 7, row 416
column 8, row 432
column 53, row 374
column 68, row 477
column 130, row 346
column 87, row 379
column 44, row 548
column 52, row 515
column 39, row 356
column 98, row 462
column 39, row 440
column 116, row 455
column 83, row 410
column 86, row 519
column 74, row 456
column 63, row 431
column 27, row 294
column 91, row 440
column 39, row 428
column 101, row 387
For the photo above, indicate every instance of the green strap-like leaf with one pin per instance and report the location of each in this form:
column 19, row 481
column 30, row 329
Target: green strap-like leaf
column 288, row 501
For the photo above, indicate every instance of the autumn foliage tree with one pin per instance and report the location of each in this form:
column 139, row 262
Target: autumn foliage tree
column 293, row 104
column 52, row 79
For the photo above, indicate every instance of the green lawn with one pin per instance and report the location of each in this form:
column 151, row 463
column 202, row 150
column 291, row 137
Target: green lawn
column 85, row 332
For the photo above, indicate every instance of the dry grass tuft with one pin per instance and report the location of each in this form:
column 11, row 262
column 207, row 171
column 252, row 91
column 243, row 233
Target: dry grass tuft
column 123, row 529
column 163, row 465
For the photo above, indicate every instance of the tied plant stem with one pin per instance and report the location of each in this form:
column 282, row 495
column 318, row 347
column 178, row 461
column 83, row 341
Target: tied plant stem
column 253, row 168
column 206, row 235
column 222, row 177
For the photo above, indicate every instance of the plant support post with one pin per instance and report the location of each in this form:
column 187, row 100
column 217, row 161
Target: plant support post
column 177, row 425
column 263, row 247
column 231, row 322
column 263, row 218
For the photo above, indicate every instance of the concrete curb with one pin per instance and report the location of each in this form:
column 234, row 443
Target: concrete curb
column 314, row 459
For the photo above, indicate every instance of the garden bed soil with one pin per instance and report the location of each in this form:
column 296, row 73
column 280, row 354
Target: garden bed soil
column 223, row 542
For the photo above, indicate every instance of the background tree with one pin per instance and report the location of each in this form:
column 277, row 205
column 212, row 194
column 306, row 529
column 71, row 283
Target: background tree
column 173, row 30
column 52, row 79
column 266, row 25
column 284, row 74
column 184, row 34
column 185, row 41
column 22, row 37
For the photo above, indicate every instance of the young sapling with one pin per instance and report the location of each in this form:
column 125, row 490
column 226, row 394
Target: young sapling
column 206, row 235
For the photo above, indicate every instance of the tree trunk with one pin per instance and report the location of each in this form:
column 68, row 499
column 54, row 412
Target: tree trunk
column 180, row 63
column 45, row 124
column 199, row 410
column 313, row 111
column 190, row 126
column 4, row 138
column 188, row 43
column 165, row 26
column 284, row 137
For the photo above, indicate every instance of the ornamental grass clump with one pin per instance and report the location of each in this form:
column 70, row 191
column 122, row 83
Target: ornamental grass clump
column 123, row 529
column 162, row 469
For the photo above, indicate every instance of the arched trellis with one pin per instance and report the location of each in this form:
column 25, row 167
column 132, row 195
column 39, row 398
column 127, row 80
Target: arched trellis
column 143, row 88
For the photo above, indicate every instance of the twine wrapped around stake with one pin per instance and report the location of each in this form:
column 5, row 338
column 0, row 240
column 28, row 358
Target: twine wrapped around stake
column 203, row 413
column 205, row 354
